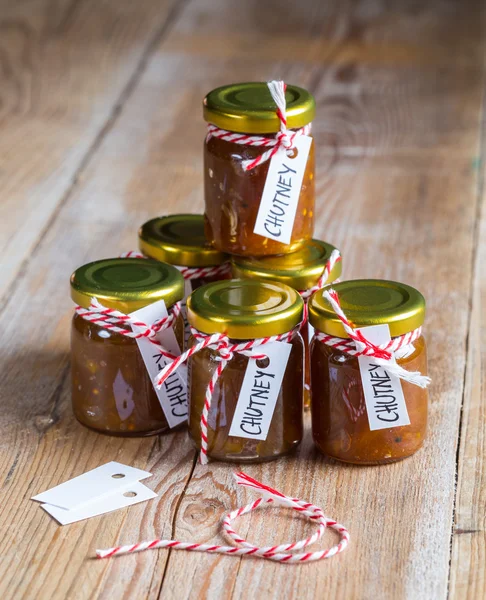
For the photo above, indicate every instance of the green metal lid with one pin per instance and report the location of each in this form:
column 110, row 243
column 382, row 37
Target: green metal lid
column 249, row 108
column 244, row 308
column 179, row 240
column 300, row 269
column 368, row 302
column 126, row 284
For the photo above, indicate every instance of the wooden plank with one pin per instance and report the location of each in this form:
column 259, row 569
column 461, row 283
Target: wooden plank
column 66, row 69
column 389, row 186
column 467, row 579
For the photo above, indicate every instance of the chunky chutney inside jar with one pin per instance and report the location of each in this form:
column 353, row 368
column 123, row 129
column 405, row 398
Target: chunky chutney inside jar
column 112, row 391
column 341, row 423
column 233, row 194
column 270, row 420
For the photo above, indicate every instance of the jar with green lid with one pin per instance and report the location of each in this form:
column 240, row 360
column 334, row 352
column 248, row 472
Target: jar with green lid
column 255, row 384
column 314, row 265
column 243, row 124
column 112, row 390
column 369, row 399
column 179, row 240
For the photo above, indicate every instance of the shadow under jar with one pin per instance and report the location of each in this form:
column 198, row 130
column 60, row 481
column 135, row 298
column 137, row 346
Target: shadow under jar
column 245, row 311
column 340, row 419
column 232, row 194
column 300, row 270
column 112, row 391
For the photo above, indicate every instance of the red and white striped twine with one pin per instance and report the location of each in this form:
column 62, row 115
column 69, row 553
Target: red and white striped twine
column 220, row 343
column 284, row 553
column 116, row 321
column 383, row 354
column 190, row 272
column 333, row 259
column 283, row 139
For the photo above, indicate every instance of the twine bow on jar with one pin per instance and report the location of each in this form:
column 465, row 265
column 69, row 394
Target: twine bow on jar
column 225, row 349
column 284, row 139
column 116, row 321
column 383, row 354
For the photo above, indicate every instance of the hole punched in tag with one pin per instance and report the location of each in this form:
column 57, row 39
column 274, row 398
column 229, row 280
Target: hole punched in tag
column 130, row 494
column 118, row 476
column 292, row 153
column 263, row 363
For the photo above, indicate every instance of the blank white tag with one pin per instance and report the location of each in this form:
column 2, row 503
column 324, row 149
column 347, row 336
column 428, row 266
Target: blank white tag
column 126, row 496
column 92, row 485
column 278, row 204
column 385, row 403
column 173, row 393
column 259, row 393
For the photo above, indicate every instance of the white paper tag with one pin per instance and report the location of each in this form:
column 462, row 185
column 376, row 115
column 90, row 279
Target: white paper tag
column 278, row 205
column 173, row 393
column 126, row 496
column 385, row 403
column 91, row 486
column 259, row 393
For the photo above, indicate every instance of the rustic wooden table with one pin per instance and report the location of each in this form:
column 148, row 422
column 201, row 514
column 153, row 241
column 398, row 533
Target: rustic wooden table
column 101, row 129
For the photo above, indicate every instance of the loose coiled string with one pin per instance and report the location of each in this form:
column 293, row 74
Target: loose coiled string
column 284, row 553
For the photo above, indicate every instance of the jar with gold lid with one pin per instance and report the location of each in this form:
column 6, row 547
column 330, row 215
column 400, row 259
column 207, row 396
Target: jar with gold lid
column 244, row 125
column 368, row 371
column 251, row 374
column 179, row 240
column 314, row 265
column 112, row 390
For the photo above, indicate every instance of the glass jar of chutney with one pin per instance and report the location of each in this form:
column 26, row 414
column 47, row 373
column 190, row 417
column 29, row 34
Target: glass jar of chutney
column 301, row 270
column 361, row 413
column 112, row 391
column 256, row 409
column 179, row 240
column 242, row 121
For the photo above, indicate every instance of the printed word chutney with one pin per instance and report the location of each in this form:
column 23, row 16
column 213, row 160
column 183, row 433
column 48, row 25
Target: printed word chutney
column 127, row 324
column 247, row 367
column 259, row 168
column 180, row 241
column 308, row 269
column 368, row 371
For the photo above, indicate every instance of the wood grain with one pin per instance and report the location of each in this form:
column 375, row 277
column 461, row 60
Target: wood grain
column 468, row 579
column 398, row 138
column 66, row 67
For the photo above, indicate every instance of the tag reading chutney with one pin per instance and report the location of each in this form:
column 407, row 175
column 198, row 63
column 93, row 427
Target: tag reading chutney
column 278, row 204
column 173, row 393
column 259, row 392
column 385, row 402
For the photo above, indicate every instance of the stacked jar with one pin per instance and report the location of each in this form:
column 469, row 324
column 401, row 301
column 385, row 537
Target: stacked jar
column 259, row 190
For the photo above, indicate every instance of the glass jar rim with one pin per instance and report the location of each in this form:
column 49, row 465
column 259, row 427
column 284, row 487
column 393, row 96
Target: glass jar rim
column 249, row 108
column 368, row 302
column 179, row 240
column 245, row 309
column 300, row 269
column 126, row 284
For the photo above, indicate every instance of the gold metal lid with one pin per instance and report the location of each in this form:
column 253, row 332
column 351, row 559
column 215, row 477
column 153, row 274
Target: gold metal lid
column 370, row 302
column 249, row 108
column 300, row 269
column 179, row 240
column 126, row 284
column 244, row 308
